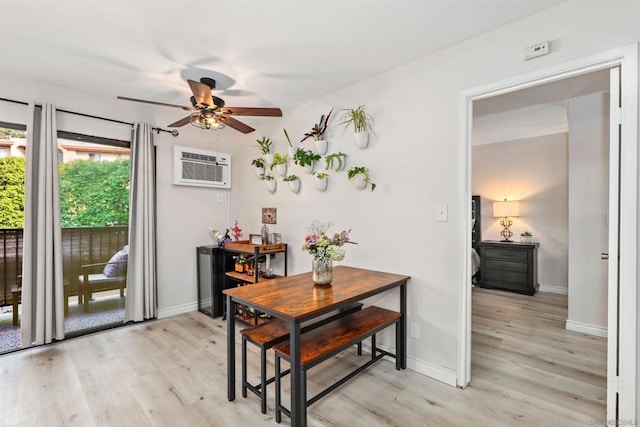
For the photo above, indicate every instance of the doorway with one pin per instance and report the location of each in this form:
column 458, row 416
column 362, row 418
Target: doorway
column 621, row 321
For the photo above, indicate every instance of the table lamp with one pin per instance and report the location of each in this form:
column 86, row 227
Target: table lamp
column 505, row 210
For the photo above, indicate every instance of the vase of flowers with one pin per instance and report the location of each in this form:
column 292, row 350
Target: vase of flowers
column 325, row 250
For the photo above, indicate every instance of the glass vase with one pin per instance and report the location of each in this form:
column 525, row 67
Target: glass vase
column 322, row 272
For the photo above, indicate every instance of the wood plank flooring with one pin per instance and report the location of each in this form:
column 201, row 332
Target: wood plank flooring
column 527, row 371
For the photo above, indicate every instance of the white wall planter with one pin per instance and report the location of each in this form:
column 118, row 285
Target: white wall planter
column 294, row 185
column 258, row 171
column 321, row 146
column 321, row 183
column 271, row 185
column 291, row 151
column 268, row 158
column 359, row 180
column 281, row 169
column 361, row 139
column 309, row 168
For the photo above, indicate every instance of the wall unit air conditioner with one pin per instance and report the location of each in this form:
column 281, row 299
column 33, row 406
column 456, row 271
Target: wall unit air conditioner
column 201, row 168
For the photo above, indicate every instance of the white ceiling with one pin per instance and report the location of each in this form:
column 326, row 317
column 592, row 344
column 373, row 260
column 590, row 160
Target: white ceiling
column 263, row 53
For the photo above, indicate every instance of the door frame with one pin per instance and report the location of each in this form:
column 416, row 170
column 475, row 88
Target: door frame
column 627, row 58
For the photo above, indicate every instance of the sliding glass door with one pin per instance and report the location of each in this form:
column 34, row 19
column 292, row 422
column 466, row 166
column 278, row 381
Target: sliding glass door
column 94, row 214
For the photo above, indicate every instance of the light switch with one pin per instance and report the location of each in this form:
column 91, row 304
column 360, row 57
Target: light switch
column 442, row 212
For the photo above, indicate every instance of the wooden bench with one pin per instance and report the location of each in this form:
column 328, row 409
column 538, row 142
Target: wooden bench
column 269, row 334
column 330, row 339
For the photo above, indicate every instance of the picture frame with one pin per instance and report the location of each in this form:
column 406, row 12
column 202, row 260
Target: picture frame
column 278, row 238
column 269, row 215
column 255, row 239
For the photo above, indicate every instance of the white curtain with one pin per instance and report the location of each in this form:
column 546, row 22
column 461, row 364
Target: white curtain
column 42, row 288
column 141, row 302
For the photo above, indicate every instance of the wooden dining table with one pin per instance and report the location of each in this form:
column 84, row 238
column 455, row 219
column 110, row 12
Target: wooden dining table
column 295, row 300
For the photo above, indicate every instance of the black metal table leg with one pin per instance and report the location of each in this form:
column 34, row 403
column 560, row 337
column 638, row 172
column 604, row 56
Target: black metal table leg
column 298, row 400
column 231, row 349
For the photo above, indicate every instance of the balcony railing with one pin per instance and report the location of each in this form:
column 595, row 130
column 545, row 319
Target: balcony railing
column 81, row 245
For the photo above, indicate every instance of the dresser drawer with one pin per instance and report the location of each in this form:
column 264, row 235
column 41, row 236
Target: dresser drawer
column 499, row 264
column 517, row 255
column 506, row 276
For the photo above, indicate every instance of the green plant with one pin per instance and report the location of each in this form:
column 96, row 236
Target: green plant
column 266, row 177
column 526, row 233
column 264, row 144
column 352, row 172
column 279, row 159
column 287, row 135
column 334, row 157
column 318, row 129
column 290, row 178
column 259, row 163
column 321, row 175
column 358, row 117
column 305, row 157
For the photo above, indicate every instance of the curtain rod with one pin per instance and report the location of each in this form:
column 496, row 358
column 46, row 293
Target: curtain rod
column 173, row 132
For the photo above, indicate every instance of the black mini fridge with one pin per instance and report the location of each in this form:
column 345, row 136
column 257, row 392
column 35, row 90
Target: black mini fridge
column 211, row 279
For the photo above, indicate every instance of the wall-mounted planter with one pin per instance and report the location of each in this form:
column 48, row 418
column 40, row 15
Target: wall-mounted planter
column 321, row 183
column 268, row 158
column 258, row 171
column 271, row 185
column 309, row 168
column 361, row 139
column 321, row 146
column 281, row 169
column 291, row 151
column 359, row 180
column 294, row 185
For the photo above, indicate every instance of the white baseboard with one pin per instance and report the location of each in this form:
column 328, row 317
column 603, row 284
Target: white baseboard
column 554, row 289
column 179, row 309
column 585, row 328
column 431, row 370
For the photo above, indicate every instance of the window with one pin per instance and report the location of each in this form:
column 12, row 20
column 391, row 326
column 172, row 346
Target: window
column 94, row 157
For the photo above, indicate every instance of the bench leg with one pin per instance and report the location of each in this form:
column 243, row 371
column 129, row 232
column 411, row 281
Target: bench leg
column 373, row 347
column 278, row 396
column 399, row 347
column 87, row 298
column 244, row 367
column 263, row 380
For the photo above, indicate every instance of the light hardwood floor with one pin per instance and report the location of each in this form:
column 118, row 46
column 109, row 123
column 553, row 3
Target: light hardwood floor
column 527, row 371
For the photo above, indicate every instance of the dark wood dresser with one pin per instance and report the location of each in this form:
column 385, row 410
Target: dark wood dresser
column 511, row 266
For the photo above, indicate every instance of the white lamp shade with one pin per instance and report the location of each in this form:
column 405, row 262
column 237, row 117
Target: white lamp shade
column 506, row 208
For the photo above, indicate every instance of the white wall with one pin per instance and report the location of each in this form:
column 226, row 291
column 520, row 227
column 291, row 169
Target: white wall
column 415, row 159
column 534, row 172
column 588, row 207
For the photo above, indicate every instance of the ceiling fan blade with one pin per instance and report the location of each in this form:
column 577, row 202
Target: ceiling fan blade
column 181, row 122
column 124, row 98
column 202, row 93
column 252, row 111
column 237, row 125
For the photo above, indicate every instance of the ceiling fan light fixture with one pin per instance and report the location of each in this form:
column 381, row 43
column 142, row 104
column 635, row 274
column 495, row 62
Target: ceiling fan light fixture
column 206, row 120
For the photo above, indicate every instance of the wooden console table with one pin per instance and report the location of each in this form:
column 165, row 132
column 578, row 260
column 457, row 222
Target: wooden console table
column 295, row 300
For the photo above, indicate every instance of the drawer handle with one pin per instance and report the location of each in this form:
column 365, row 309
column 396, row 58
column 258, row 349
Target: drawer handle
column 604, row 255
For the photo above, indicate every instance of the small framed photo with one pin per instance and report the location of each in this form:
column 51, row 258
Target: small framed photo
column 278, row 238
column 255, row 239
column 269, row 215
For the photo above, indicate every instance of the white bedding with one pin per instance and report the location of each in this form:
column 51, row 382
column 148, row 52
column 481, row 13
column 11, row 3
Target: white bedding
column 475, row 261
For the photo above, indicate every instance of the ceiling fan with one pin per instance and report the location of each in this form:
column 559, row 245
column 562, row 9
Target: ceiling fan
column 209, row 112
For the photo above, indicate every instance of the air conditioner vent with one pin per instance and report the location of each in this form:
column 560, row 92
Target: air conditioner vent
column 201, row 168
